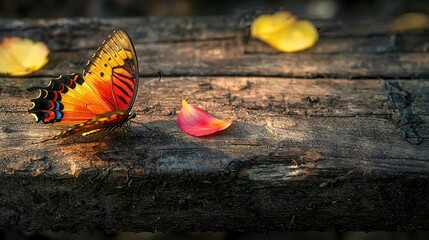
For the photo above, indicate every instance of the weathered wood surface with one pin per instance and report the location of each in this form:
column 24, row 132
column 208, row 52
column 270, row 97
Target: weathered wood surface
column 333, row 138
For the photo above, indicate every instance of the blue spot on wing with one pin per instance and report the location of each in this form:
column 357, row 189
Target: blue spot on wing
column 58, row 115
column 57, row 106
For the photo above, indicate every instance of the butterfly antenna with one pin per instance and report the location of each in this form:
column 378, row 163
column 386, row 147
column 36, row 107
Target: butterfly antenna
column 150, row 87
column 147, row 95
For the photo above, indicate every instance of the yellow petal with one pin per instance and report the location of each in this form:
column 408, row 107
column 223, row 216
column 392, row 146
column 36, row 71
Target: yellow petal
column 302, row 36
column 267, row 23
column 284, row 32
column 411, row 21
column 21, row 56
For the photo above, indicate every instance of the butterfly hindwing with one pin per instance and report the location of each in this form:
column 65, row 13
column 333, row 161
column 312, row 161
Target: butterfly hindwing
column 66, row 100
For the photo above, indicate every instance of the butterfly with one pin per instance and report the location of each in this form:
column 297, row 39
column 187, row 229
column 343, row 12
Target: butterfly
column 100, row 99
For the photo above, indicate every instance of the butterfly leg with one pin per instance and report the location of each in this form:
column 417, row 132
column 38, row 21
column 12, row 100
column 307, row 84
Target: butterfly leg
column 103, row 138
column 106, row 132
column 103, row 132
column 144, row 125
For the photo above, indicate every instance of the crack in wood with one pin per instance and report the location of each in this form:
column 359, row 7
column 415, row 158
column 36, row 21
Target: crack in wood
column 410, row 126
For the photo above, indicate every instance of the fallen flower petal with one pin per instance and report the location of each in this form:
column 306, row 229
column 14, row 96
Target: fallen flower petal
column 411, row 21
column 301, row 37
column 270, row 23
column 284, row 31
column 21, row 56
column 197, row 122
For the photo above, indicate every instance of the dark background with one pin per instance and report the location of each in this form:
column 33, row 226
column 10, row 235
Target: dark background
column 129, row 8
column 219, row 236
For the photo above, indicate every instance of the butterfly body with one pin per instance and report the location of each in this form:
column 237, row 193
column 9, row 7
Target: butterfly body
column 100, row 99
column 102, row 123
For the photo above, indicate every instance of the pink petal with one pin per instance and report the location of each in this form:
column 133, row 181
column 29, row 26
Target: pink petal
column 197, row 122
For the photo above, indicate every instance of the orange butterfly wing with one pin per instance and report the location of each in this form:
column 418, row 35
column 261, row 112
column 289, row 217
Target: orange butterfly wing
column 109, row 82
column 113, row 71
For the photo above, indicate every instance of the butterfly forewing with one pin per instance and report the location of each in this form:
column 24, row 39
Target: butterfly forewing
column 114, row 69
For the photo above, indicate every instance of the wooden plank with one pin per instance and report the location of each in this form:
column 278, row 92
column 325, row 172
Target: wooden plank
column 226, row 58
column 342, row 150
column 155, row 29
column 196, row 47
column 66, row 34
column 302, row 155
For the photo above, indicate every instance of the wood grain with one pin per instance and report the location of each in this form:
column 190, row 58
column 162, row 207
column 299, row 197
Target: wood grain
column 320, row 140
column 222, row 46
